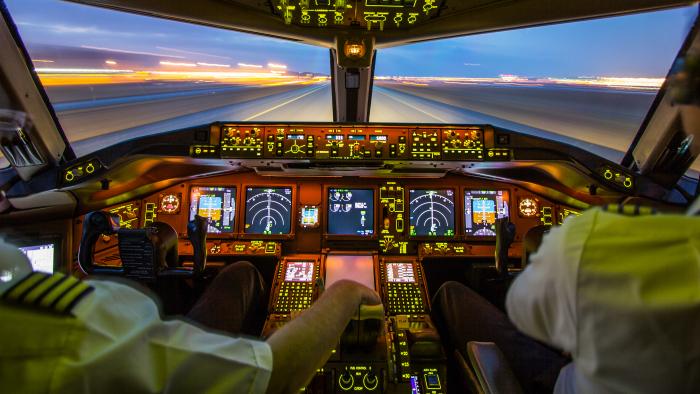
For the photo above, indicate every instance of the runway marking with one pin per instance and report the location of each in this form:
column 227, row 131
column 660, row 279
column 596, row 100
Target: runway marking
column 414, row 107
column 282, row 105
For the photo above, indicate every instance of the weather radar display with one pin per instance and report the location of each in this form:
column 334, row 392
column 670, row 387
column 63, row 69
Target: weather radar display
column 218, row 204
column 268, row 211
column 432, row 212
column 350, row 212
column 481, row 209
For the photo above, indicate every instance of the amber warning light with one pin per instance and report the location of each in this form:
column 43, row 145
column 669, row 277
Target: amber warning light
column 355, row 49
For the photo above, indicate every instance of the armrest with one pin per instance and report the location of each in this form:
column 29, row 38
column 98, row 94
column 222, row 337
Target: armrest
column 491, row 368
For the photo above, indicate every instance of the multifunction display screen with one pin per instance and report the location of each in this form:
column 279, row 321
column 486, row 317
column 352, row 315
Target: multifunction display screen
column 268, row 210
column 218, row 204
column 432, row 212
column 41, row 257
column 356, row 268
column 481, row 209
column 350, row 212
column 299, row 271
column 400, row 272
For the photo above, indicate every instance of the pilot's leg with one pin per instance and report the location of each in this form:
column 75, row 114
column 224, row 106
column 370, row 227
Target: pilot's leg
column 234, row 301
column 462, row 315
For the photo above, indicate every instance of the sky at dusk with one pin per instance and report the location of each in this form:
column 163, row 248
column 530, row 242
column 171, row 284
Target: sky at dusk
column 642, row 45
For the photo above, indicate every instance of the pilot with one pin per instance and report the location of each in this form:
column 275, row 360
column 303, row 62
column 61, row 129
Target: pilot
column 60, row 334
column 619, row 294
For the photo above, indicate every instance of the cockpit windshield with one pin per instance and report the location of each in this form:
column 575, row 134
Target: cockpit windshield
column 587, row 83
column 112, row 76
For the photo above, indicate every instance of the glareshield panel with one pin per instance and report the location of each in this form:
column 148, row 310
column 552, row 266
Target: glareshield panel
column 587, row 83
column 113, row 76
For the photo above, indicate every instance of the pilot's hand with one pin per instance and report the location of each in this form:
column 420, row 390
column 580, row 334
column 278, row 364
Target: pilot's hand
column 358, row 293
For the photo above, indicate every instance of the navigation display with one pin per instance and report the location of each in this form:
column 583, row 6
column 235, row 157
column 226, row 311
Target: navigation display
column 432, row 212
column 216, row 203
column 350, row 212
column 41, row 257
column 481, row 209
column 299, row 271
column 268, row 210
column 400, row 272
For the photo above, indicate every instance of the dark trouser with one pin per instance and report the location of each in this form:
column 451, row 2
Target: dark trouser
column 234, row 302
column 462, row 316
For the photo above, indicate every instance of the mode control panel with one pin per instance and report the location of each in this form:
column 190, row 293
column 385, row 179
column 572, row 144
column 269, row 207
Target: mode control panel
column 339, row 142
column 241, row 141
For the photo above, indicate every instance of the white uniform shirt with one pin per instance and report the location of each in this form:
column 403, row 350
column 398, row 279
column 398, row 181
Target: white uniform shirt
column 116, row 341
column 622, row 296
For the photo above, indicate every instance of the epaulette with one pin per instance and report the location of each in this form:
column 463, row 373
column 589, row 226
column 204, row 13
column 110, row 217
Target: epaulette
column 57, row 293
column 629, row 209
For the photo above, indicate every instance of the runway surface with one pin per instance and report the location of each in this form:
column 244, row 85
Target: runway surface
column 597, row 119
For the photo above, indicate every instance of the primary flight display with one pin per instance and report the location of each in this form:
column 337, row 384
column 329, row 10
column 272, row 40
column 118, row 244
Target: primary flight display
column 218, row 204
column 481, row 209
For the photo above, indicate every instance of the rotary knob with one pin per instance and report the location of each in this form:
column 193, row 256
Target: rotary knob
column 346, row 381
column 370, row 381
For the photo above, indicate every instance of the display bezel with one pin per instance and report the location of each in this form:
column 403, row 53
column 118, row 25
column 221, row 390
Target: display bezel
column 375, row 209
column 508, row 193
column 458, row 208
column 293, row 213
column 229, row 235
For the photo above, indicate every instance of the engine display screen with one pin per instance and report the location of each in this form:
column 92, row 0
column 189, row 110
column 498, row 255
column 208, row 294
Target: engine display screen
column 299, row 271
column 41, row 257
column 400, row 272
column 268, row 210
column 218, row 204
column 481, row 209
column 350, row 212
column 432, row 212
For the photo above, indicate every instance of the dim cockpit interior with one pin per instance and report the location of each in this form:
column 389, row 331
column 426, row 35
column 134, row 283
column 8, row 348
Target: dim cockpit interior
column 399, row 207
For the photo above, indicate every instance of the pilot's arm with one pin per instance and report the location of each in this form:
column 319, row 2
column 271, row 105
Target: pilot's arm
column 541, row 300
column 302, row 346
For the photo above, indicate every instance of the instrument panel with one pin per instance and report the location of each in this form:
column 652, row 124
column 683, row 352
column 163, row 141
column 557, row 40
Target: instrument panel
column 250, row 214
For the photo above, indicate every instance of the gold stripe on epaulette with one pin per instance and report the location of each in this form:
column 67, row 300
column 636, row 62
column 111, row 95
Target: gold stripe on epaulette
column 55, row 293
column 58, row 291
column 29, row 281
column 67, row 301
column 35, row 293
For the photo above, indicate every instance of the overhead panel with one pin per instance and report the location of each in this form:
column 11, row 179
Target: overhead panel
column 372, row 15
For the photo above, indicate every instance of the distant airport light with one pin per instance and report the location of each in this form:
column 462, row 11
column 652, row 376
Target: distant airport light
column 80, row 71
column 213, row 65
column 110, row 62
column 42, row 61
column 250, row 65
column 354, row 49
column 178, row 64
column 279, row 66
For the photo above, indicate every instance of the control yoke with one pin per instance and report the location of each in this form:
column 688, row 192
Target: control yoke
column 505, row 235
column 197, row 233
column 145, row 253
